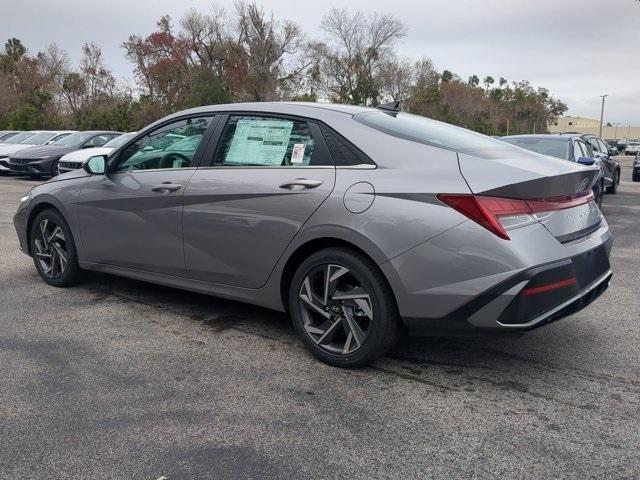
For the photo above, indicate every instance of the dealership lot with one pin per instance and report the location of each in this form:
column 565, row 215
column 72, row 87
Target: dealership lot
column 122, row 379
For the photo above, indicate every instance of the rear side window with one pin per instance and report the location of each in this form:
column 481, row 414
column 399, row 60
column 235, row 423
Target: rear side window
column 260, row 141
column 342, row 151
column 427, row 131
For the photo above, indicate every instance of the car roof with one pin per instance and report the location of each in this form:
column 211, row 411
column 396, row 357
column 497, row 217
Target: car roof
column 101, row 132
column 308, row 109
column 558, row 136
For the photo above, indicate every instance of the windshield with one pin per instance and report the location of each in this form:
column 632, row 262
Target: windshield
column 555, row 147
column 119, row 141
column 188, row 144
column 20, row 137
column 74, row 140
column 38, row 138
column 7, row 135
column 430, row 132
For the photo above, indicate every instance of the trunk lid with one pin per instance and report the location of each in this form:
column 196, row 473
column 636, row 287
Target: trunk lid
column 520, row 174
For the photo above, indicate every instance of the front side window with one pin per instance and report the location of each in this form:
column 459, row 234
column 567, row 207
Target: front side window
column 593, row 142
column 580, row 149
column 604, row 148
column 265, row 142
column 171, row 146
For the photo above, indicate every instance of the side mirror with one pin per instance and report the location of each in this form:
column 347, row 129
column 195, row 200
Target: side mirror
column 586, row 161
column 96, row 165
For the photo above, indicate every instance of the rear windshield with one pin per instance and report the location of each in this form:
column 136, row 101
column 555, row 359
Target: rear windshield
column 555, row 147
column 430, row 132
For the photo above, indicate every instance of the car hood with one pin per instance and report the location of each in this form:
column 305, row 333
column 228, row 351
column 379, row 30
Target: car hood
column 519, row 173
column 85, row 154
column 73, row 174
column 11, row 148
column 44, row 151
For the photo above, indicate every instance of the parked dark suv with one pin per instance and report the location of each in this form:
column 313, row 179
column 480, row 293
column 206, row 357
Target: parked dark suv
column 610, row 166
column 569, row 147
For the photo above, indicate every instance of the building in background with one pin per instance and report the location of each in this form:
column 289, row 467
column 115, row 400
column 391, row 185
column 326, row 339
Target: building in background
column 591, row 125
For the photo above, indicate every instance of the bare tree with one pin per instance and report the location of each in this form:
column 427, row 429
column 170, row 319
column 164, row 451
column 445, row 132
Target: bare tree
column 266, row 46
column 396, row 78
column 357, row 46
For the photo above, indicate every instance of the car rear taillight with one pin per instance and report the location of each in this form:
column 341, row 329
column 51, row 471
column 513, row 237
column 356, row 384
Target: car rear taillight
column 498, row 214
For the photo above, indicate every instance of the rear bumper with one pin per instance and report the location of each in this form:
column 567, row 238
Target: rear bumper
column 569, row 306
column 466, row 279
column 494, row 312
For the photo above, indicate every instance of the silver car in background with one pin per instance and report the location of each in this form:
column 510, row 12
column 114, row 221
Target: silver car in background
column 359, row 222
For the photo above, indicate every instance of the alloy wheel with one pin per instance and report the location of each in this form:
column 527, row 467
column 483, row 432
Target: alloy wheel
column 336, row 309
column 50, row 248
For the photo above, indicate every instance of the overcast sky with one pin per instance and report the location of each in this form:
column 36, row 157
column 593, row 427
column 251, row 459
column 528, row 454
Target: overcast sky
column 578, row 49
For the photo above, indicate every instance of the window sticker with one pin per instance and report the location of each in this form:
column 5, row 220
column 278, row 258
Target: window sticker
column 259, row 142
column 297, row 155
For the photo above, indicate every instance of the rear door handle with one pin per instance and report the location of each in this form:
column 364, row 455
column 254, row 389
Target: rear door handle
column 301, row 182
column 166, row 187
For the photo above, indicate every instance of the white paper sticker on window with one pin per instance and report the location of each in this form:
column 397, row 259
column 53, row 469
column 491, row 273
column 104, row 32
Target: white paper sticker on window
column 297, row 156
column 259, row 142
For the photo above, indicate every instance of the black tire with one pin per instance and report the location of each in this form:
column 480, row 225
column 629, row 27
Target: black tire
column 613, row 188
column 54, row 168
column 383, row 326
column 71, row 273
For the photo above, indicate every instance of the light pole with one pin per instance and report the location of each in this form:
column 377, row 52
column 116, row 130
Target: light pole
column 615, row 134
column 602, row 114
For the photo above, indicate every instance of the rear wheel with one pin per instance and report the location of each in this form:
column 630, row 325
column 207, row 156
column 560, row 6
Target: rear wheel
column 342, row 308
column 53, row 249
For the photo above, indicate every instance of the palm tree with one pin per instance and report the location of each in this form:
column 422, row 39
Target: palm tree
column 474, row 81
column 488, row 81
column 447, row 76
column 502, row 82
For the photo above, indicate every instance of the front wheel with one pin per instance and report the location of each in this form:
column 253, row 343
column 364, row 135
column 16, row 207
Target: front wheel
column 613, row 188
column 343, row 308
column 53, row 249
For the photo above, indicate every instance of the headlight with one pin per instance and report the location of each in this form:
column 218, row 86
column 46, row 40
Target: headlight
column 24, row 199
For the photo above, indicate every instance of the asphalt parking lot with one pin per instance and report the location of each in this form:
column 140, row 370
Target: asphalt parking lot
column 120, row 379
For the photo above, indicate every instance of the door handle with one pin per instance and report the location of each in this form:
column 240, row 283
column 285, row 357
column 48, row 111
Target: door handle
column 301, row 182
column 166, row 187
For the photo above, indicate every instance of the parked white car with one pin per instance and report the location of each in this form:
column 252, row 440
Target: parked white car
column 25, row 140
column 632, row 148
column 74, row 160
